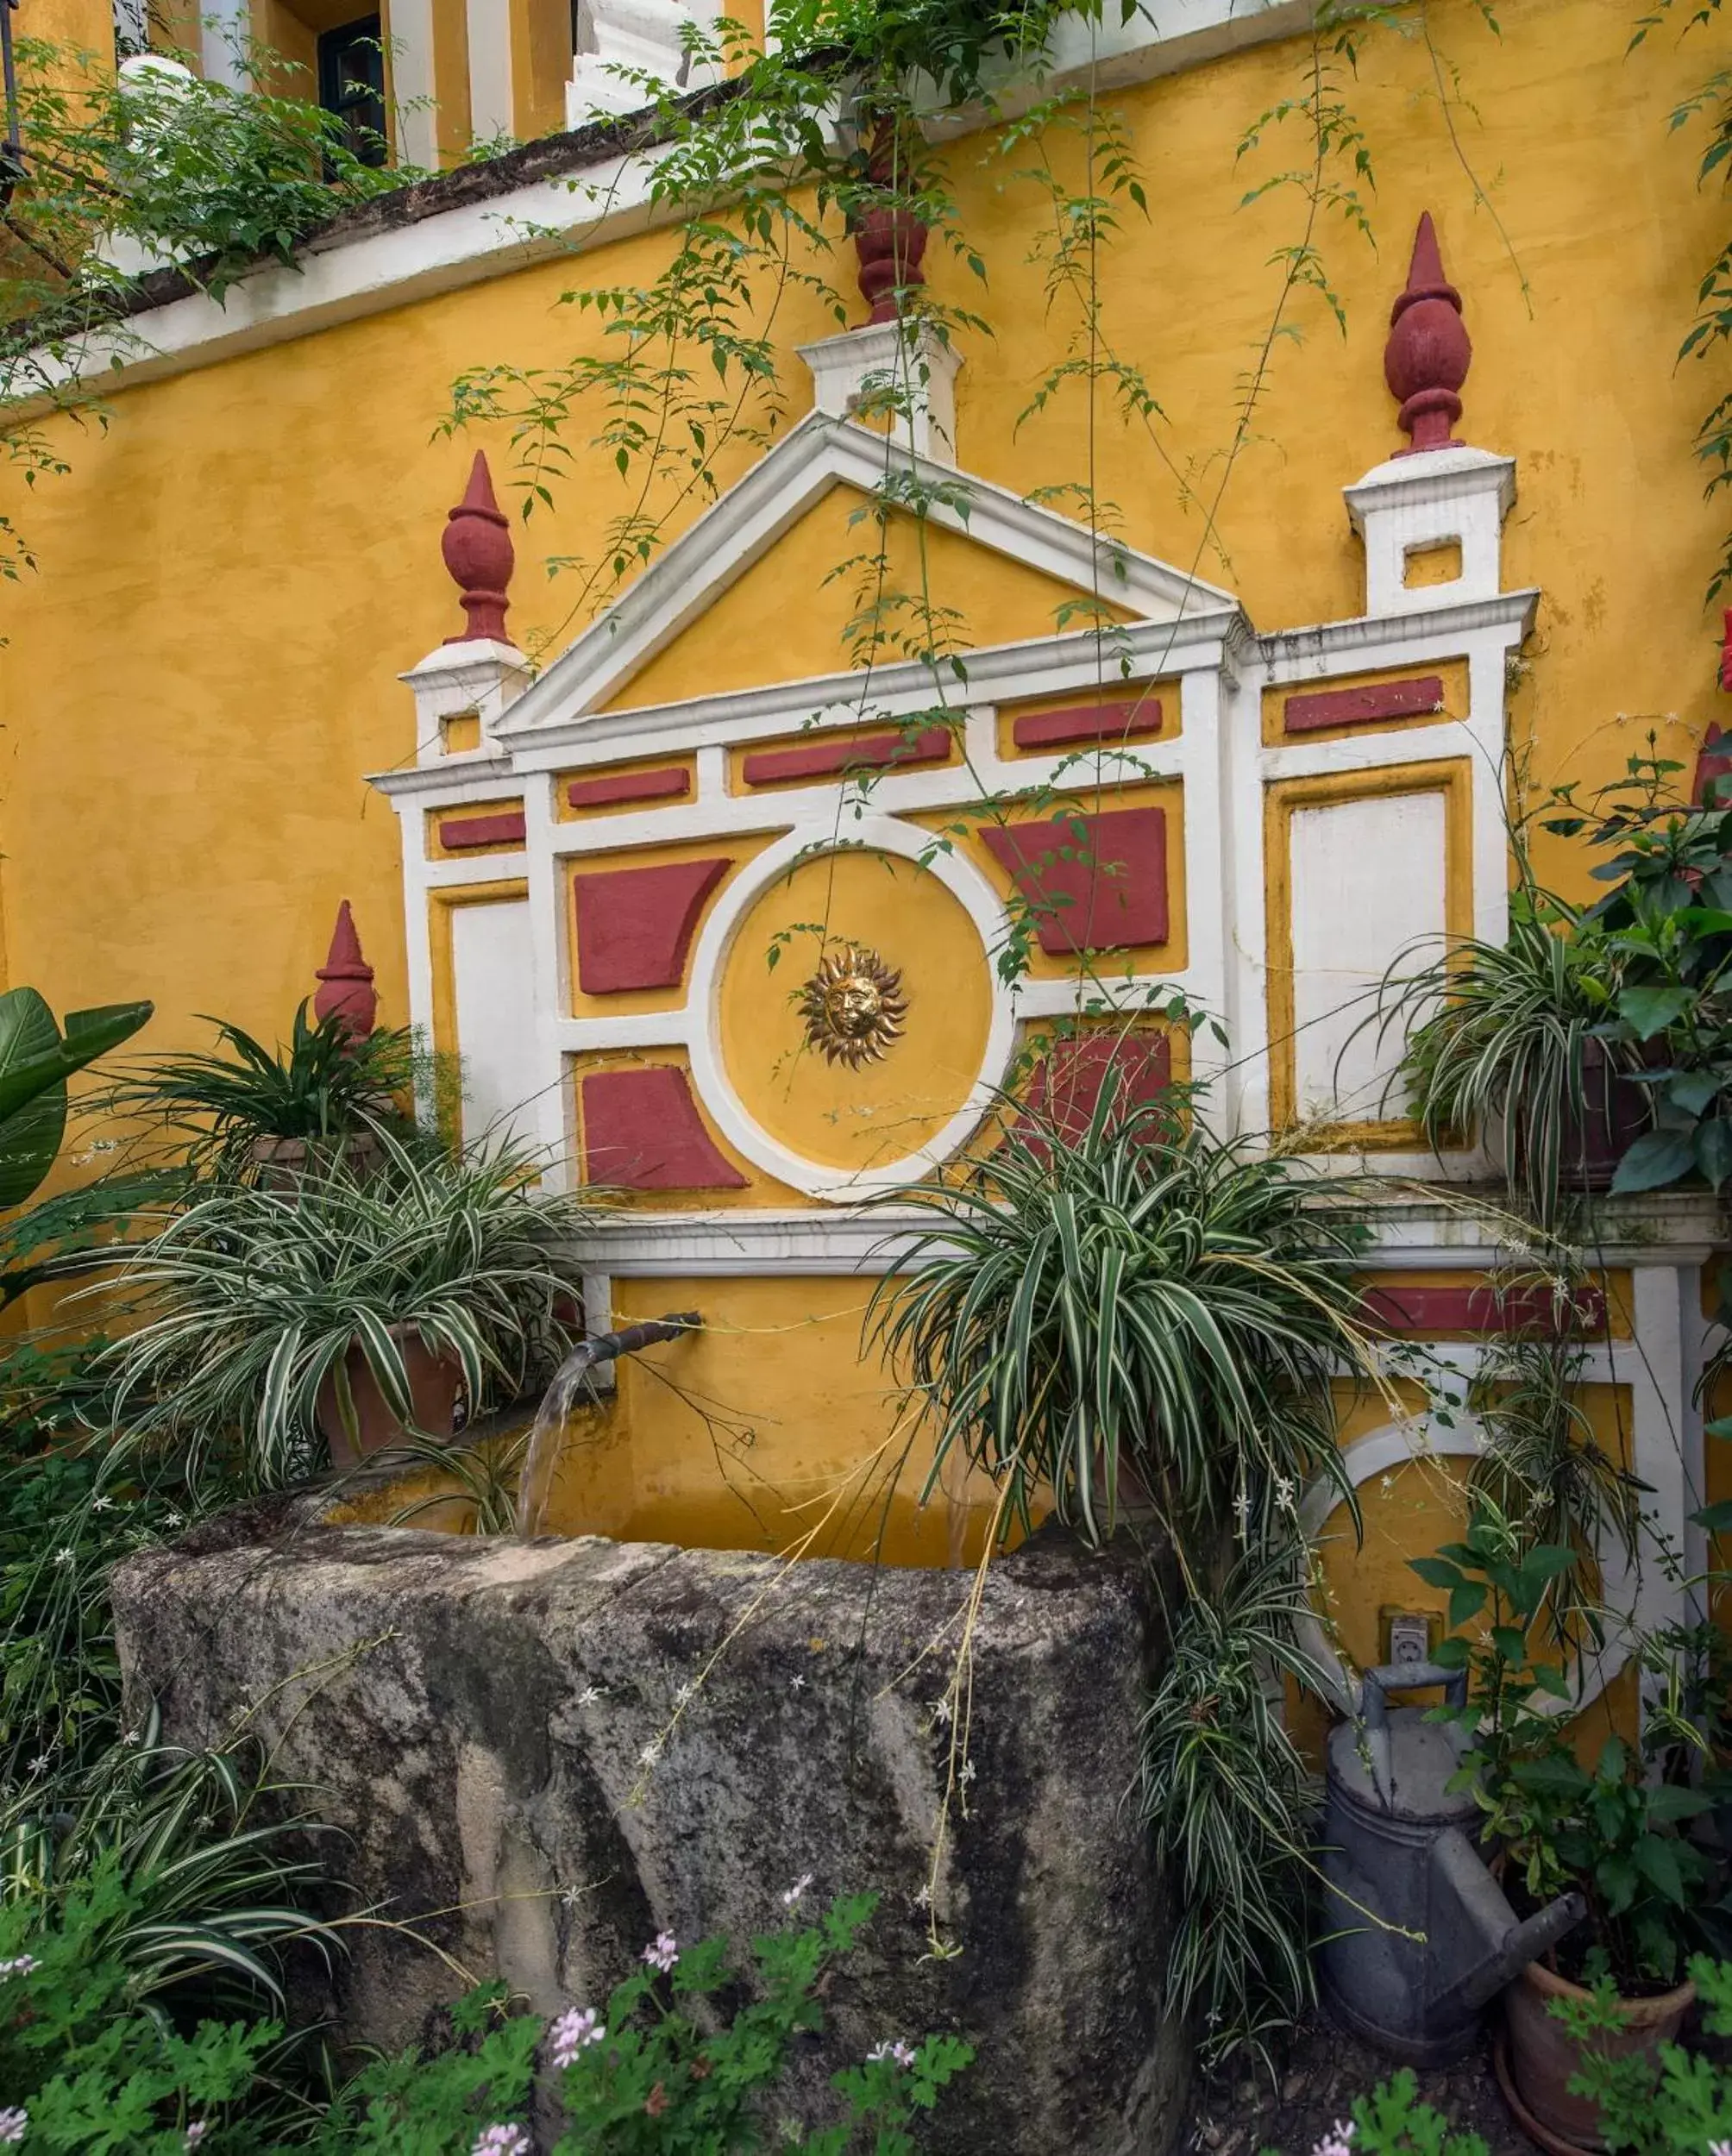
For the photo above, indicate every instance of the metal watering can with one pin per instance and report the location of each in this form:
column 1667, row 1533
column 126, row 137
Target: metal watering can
column 1421, row 1935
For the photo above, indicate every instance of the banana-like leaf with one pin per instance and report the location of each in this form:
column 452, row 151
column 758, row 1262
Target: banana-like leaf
column 35, row 1061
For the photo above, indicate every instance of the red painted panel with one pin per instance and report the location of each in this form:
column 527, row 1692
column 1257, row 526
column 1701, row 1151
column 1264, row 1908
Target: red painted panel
column 670, row 784
column 826, row 759
column 1364, row 706
column 642, row 1132
column 1069, row 1079
column 1079, row 723
column 1115, row 894
column 481, row 833
column 1427, row 1311
column 634, row 926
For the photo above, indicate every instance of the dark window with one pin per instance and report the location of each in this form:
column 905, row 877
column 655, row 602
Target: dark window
column 352, row 85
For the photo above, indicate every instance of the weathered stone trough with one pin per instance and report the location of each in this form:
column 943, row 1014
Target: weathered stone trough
column 497, row 1727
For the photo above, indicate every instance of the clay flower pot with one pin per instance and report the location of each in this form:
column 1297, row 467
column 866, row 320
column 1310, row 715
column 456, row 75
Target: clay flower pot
column 435, row 1385
column 282, row 1162
column 1543, row 2058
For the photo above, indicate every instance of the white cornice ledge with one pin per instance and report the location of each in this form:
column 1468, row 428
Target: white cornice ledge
column 341, row 278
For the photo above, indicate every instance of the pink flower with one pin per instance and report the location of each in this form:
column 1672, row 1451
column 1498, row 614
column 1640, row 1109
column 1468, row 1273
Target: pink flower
column 196, row 2131
column 572, row 2031
column 501, row 2140
column 898, row 2053
column 663, row 1952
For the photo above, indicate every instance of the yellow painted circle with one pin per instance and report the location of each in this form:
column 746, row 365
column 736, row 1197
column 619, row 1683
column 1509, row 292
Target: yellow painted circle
column 861, row 1118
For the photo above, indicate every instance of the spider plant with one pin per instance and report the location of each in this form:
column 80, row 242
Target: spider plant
column 1524, row 1035
column 1544, row 1469
column 1136, row 1303
column 208, row 1853
column 323, row 1085
column 1226, row 1795
column 247, row 1301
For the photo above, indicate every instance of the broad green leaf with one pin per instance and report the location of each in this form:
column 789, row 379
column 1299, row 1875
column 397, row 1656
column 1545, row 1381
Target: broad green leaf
column 1658, row 1158
column 1649, row 1011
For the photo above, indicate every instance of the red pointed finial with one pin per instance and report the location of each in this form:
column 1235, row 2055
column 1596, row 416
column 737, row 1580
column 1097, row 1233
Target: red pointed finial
column 1428, row 353
column 889, row 239
column 477, row 547
column 346, row 980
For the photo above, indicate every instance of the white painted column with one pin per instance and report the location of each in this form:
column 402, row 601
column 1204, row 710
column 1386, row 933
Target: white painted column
column 225, row 30
column 492, row 106
column 409, row 57
column 1661, row 1366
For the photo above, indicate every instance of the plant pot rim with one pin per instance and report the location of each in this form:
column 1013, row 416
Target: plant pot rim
column 1649, row 2006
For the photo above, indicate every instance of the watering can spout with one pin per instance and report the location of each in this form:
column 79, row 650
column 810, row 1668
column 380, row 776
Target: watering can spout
column 1478, row 1944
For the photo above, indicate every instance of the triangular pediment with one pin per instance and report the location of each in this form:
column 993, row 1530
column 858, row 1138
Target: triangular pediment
column 752, row 571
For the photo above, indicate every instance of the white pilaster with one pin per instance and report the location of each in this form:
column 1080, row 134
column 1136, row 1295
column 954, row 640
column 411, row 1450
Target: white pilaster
column 1412, row 503
column 910, row 363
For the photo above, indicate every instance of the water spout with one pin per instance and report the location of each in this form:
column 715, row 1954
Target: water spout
column 541, row 1456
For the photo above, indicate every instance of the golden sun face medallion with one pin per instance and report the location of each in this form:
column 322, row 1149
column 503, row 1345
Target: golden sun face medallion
column 853, row 1007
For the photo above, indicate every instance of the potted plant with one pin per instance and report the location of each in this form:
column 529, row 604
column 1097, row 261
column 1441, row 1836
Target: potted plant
column 1523, row 1037
column 273, row 1113
column 1554, row 1823
column 337, row 1317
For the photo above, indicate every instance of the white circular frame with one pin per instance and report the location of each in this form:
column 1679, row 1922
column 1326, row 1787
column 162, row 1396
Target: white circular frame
column 842, row 1186
column 1399, row 1444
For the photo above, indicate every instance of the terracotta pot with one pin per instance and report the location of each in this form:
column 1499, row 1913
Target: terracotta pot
column 1544, row 2058
column 435, row 1385
column 282, row 1162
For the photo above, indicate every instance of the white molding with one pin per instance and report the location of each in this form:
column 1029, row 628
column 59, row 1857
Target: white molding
column 1417, row 501
column 736, row 532
column 347, row 276
column 702, row 1016
column 919, row 370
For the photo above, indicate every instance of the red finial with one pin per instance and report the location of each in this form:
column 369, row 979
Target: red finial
column 1725, row 649
column 1427, row 355
column 477, row 547
column 889, row 239
column 347, row 990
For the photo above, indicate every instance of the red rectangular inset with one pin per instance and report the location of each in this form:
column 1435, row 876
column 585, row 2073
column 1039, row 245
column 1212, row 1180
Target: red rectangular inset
column 483, row 833
column 1479, row 1308
column 1363, row 706
column 826, row 759
column 1084, row 724
column 670, row 783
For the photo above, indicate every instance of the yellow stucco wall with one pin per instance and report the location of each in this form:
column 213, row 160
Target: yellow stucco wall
column 187, row 715
column 240, row 564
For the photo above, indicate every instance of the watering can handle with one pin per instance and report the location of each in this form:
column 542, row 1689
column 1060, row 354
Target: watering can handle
column 1406, row 1676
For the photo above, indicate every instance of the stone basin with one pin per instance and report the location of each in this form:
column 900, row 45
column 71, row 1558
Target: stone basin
column 497, row 1728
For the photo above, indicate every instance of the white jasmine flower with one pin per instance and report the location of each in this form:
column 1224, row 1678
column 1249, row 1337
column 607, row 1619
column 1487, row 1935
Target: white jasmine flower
column 796, row 1684
column 589, row 1696
column 791, row 1898
column 65, row 1556
column 941, row 1711
column 966, row 1773
column 102, row 1504
column 663, row 1952
column 39, row 1764
column 651, row 1753
column 178, row 1519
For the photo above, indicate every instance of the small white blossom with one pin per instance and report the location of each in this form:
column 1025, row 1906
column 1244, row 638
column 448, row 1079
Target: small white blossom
column 66, row 1555
column 1284, row 1491
column 663, row 1952
column 1336, row 2141
column 12, row 2125
column 966, row 1773
column 685, row 1696
column 898, row 2053
column 942, row 1711
column 130, row 1737
column 796, row 1684
column 790, row 1899
column 572, row 1896
column 651, row 1753
column 19, row 1965
column 589, row 1696
column 39, row 1764
column 572, row 2032
column 102, row 1504
column 195, row 2132
column 501, row 2140
column 178, row 1519
column 923, row 1896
